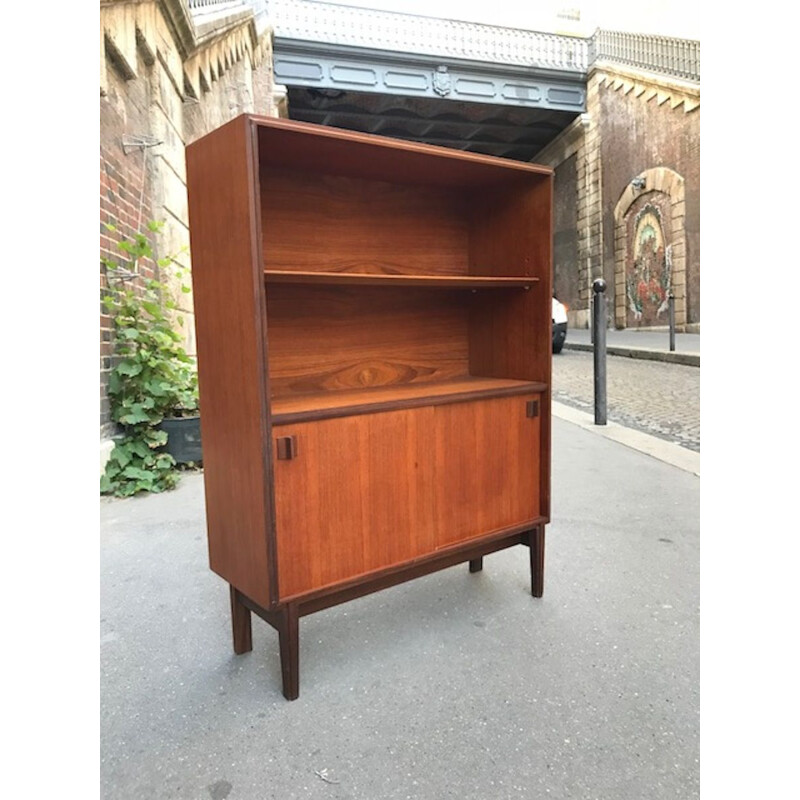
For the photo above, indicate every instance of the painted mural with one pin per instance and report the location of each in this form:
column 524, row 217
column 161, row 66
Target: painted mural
column 648, row 263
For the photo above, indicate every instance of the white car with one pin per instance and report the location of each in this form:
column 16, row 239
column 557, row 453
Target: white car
column 559, row 325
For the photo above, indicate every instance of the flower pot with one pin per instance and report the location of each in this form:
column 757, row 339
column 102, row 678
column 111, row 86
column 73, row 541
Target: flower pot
column 183, row 439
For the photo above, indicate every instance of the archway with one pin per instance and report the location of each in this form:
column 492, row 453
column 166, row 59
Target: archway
column 650, row 250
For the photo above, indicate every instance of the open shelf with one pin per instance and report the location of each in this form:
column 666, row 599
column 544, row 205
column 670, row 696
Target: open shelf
column 380, row 279
column 351, row 402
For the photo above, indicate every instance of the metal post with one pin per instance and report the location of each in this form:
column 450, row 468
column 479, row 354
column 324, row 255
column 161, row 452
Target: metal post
column 671, row 322
column 589, row 270
column 599, row 339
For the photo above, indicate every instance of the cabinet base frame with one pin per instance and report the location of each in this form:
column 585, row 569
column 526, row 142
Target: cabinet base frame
column 285, row 616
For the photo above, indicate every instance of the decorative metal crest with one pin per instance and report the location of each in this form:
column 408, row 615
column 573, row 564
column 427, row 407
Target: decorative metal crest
column 441, row 81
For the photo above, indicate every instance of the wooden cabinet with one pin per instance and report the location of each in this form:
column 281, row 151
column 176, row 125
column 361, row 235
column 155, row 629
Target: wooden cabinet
column 374, row 347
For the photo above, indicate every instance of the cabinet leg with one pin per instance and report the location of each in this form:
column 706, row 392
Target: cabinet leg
column 476, row 564
column 242, row 626
column 289, row 636
column 536, row 539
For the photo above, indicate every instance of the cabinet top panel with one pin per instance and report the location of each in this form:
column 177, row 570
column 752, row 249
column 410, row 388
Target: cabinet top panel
column 322, row 149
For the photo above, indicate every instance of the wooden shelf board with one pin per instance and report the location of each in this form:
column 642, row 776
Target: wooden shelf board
column 349, row 402
column 380, row 279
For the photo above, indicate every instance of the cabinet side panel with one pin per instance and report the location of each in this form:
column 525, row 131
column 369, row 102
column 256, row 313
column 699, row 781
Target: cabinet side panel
column 544, row 194
column 511, row 335
column 229, row 305
column 511, row 235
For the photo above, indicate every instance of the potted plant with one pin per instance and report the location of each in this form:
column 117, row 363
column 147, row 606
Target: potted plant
column 153, row 379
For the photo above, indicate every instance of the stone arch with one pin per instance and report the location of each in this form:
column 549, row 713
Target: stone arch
column 669, row 183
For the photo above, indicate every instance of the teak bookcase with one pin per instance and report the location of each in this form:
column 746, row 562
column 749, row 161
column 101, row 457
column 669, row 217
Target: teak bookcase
column 374, row 350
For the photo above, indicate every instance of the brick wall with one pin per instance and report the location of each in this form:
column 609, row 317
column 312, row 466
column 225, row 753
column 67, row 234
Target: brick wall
column 646, row 125
column 125, row 190
column 635, row 123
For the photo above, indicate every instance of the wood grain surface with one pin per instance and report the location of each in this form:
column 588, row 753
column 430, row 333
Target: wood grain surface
column 229, row 298
column 325, row 405
column 324, row 222
column 370, row 492
column 487, row 467
column 330, row 151
column 373, row 277
column 332, row 276
column 358, row 498
column 511, row 333
column 324, row 338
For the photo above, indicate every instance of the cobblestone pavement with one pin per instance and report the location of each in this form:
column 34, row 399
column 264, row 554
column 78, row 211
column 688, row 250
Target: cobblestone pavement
column 651, row 396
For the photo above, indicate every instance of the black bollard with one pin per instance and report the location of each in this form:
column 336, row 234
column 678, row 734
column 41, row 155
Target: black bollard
column 671, row 322
column 599, row 340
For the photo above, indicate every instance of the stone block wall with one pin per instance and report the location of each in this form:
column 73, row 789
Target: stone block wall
column 565, row 232
column 577, row 230
column 636, row 126
column 651, row 131
column 163, row 84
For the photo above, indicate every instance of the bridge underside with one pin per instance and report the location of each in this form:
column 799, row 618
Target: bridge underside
column 505, row 111
column 517, row 133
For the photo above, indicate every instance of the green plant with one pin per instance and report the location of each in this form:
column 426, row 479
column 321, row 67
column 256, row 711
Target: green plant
column 152, row 377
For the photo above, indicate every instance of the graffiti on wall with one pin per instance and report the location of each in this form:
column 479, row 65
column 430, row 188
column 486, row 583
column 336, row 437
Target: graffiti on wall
column 648, row 262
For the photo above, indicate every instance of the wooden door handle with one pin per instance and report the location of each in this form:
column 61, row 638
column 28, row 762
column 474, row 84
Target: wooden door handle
column 532, row 408
column 287, row 447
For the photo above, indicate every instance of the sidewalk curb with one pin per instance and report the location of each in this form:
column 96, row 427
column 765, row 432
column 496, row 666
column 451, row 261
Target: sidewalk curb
column 687, row 359
column 674, row 454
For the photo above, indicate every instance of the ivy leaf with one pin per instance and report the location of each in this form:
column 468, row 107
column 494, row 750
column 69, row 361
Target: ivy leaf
column 157, row 388
column 112, row 469
column 134, row 416
column 158, row 439
column 121, row 455
column 129, row 368
column 153, row 309
column 141, row 449
column 136, row 473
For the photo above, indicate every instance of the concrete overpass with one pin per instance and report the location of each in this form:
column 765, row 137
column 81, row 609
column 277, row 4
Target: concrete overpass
column 481, row 88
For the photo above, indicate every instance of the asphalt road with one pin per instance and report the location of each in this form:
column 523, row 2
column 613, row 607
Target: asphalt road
column 654, row 397
column 453, row 686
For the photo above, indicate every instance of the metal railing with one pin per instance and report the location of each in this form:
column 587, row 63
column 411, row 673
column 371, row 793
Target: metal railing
column 410, row 33
column 679, row 57
column 215, row 5
column 215, row 12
